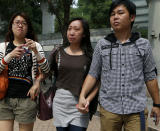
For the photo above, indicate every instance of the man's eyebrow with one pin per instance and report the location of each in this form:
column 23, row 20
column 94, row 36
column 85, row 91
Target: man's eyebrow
column 118, row 10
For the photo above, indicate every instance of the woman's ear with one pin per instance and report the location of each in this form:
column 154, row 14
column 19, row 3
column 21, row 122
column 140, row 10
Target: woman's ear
column 132, row 18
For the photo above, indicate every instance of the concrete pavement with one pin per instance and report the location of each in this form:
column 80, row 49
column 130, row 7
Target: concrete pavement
column 48, row 125
column 93, row 126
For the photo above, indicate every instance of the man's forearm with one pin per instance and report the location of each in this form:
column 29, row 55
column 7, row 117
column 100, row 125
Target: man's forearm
column 92, row 94
column 153, row 90
column 88, row 85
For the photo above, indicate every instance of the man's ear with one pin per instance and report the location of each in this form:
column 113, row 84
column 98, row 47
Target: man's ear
column 132, row 18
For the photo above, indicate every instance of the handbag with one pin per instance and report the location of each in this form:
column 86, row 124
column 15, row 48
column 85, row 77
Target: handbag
column 46, row 99
column 4, row 78
column 3, row 82
column 45, row 103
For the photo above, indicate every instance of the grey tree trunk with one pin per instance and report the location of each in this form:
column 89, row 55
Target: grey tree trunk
column 48, row 20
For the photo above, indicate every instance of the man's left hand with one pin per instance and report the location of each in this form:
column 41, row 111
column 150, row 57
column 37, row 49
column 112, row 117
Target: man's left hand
column 156, row 114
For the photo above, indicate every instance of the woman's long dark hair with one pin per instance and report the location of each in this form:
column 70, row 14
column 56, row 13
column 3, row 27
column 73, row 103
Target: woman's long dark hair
column 85, row 43
column 30, row 34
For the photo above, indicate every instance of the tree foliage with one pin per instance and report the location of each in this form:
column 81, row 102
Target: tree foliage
column 9, row 7
column 96, row 12
column 61, row 9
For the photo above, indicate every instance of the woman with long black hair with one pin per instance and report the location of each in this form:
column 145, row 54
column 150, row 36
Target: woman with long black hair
column 74, row 59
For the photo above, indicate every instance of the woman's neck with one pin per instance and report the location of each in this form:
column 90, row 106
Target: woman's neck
column 74, row 47
column 74, row 50
column 18, row 42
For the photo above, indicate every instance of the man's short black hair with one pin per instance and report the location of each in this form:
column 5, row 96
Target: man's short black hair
column 130, row 6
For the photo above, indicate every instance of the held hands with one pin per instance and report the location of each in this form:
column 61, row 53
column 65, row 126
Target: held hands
column 155, row 113
column 83, row 105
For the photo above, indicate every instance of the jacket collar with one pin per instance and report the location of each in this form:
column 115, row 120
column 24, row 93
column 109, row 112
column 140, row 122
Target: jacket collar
column 111, row 37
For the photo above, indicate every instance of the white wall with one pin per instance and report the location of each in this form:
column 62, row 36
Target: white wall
column 154, row 31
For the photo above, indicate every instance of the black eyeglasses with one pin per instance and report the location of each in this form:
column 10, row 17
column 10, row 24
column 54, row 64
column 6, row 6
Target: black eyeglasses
column 17, row 23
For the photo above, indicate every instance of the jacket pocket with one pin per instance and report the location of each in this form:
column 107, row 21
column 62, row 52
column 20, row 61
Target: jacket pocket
column 135, row 59
column 109, row 59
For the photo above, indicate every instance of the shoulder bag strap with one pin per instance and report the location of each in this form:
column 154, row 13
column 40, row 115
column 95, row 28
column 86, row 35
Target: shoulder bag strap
column 58, row 60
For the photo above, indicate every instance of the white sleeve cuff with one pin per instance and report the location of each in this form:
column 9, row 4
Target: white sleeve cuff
column 7, row 58
column 39, row 56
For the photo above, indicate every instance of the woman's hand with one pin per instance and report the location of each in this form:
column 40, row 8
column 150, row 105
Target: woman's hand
column 31, row 45
column 33, row 92
column 17, row 52
column 83, row 105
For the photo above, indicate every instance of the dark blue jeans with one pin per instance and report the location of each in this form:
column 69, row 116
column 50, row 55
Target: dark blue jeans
column 71, row 128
